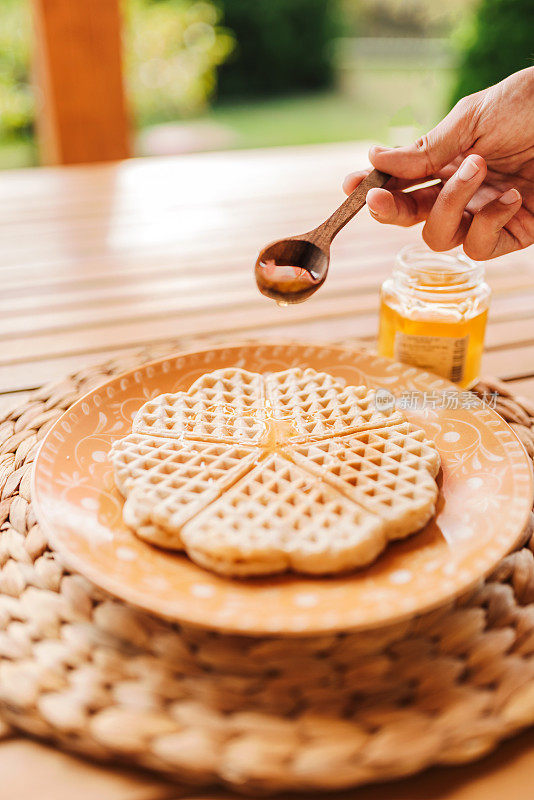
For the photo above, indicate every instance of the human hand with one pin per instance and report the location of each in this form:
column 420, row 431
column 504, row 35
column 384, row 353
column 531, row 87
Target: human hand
column 483, row 154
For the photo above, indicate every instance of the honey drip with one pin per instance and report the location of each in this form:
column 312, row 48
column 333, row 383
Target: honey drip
column 278, row 428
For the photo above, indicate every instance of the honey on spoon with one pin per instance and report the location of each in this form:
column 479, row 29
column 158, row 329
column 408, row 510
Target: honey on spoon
column 291, row 270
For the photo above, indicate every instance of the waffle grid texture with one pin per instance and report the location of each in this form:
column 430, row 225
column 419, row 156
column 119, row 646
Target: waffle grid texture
column 292, row 472
column 100, row 678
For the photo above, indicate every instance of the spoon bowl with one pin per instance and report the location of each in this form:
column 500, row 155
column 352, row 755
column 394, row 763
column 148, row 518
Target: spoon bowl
column 291, row 270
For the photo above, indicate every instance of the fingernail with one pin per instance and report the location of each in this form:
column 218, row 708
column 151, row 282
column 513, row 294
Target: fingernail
column 371, row 209
column 376, row 149
column 468, row 169
column 509, row 197
column 347, row 181
column 373, row 213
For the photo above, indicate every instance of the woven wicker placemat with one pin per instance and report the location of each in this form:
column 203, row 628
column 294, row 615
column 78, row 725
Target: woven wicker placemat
column 101, row 678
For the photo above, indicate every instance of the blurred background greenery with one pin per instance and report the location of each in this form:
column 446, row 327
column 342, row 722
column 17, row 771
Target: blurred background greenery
column 211, row 74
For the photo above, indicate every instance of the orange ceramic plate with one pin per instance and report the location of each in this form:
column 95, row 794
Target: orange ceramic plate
column 486, row 497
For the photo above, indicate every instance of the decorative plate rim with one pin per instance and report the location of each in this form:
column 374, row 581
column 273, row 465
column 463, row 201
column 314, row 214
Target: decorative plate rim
column 76, row 563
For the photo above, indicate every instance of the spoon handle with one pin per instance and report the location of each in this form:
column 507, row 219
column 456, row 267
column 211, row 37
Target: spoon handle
column 324, row 234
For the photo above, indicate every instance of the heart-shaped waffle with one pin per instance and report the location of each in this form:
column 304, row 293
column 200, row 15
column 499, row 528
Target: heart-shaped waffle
column 254, row 475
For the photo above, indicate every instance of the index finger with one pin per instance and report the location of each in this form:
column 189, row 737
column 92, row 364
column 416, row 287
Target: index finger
column 447, row 220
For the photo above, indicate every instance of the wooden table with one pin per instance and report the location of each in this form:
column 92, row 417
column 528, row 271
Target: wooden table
column 96, row 261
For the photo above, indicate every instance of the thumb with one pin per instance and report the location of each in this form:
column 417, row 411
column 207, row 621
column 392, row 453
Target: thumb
column 429, row 154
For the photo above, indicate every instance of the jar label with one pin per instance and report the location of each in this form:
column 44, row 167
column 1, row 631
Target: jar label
column 444, row 355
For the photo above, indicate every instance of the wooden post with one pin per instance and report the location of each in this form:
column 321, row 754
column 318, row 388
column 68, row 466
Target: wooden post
column 81, row 114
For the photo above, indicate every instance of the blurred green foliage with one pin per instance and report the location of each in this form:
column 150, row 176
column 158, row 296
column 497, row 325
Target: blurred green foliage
column 495, row 41
column 16, row 97
column 172, row 51
column 282, row 46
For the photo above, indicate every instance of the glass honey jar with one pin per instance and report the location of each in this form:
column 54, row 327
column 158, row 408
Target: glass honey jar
column 433, row 313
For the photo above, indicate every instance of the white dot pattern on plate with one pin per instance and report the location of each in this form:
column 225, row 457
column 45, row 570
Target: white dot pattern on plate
column 202, row 590
column 401, row 576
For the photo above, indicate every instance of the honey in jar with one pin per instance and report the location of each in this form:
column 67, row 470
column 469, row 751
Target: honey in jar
column 433, row 312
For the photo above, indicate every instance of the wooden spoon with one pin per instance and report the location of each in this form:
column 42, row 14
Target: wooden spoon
column 291, row 270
